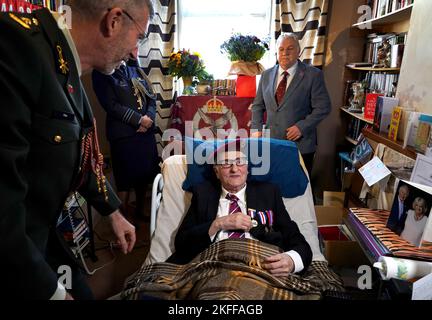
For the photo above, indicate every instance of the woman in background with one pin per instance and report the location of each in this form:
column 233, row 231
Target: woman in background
column 415, row 222
column 130, row 104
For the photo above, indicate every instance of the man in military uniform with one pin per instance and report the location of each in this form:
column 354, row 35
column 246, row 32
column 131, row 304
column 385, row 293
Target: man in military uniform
column 48, row 144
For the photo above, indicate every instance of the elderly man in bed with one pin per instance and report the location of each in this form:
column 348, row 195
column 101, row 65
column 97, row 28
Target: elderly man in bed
column 230, row 207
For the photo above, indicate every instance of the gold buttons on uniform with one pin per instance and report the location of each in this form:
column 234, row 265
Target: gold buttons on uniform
column 58, row 139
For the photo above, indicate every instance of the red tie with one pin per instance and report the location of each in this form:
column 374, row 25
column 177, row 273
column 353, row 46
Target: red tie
column 280, row 91
column 234, row 207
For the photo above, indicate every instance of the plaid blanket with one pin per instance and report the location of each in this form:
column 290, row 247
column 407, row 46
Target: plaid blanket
column 230, row 269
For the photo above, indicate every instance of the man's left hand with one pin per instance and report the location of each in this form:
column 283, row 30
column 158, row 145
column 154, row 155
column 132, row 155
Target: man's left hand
column 293, row 133
column 279, row 265
column 124, row 231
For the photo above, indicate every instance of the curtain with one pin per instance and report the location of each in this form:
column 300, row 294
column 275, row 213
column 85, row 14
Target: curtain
column 308, row 20
column 153, row 58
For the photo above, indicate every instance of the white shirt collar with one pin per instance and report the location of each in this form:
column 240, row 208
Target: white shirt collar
column 291, row 70
column 70, row 41
column 241, row 194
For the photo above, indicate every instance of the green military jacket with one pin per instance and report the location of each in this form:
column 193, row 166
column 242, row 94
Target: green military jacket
column 44, row 115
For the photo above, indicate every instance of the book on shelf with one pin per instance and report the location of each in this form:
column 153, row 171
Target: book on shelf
column 383, row 113
column 382, row 7
column 361, row 152
column 375, row 40
column 397, row 51
column 394, row 123
column 411, row 128
column 423, row 141
column 370, row 105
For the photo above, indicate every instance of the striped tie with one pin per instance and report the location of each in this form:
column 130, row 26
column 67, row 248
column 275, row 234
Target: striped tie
column 234, row 207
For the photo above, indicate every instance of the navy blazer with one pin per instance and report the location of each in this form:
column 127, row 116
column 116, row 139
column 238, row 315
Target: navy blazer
column 192, row 236
column 116, row 95
column 395, row 223
column 305, row 104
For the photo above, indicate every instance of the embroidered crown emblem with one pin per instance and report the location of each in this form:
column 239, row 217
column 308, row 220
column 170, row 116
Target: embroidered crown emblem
column 215, row 106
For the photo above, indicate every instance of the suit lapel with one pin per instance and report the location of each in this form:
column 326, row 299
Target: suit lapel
column 270, row 88
column 66, row 68
column 251, row 197
column 213, row 200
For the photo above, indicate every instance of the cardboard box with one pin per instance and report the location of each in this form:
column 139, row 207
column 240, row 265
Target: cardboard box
column 339, row 253
column 332, row 198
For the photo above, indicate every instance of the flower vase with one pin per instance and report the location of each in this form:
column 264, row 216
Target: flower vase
column 187, row 86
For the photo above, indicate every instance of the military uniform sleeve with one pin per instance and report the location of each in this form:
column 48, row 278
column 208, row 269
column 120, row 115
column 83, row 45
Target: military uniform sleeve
column 91, row 193
column 151, row 109
column 103, row 88
column 24, row 272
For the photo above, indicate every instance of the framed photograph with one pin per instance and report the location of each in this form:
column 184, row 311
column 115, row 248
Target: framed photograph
column 410, row 211
column 422, row 172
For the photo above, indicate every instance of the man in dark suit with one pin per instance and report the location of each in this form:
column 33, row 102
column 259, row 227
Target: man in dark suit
column 48, row 145
column 224, row 209
column 398, row 213
column 295, row 98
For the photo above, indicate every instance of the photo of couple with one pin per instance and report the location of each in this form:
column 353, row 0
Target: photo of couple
column 409, row 213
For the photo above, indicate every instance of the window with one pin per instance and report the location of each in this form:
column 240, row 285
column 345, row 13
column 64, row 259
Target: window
column 206, row 24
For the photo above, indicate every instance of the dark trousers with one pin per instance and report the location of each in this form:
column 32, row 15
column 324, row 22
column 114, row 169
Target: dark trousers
column 308, row 159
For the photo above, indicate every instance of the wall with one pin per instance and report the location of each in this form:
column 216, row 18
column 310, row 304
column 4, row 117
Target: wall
column 414, row 88
column 344, row 44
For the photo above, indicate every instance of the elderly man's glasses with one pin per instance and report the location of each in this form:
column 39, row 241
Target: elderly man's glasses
column 239, row 162
column 142, row 35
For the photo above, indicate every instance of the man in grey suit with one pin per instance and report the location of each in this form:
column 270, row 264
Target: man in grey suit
column 295, row 98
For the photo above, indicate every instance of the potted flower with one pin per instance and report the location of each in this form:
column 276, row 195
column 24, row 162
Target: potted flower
column 186, row 65
column 244, row 52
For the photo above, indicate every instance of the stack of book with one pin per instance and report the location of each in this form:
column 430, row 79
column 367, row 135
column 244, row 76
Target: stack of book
column 382, row 82
column 383, row 7
column 224, row 87
column 375, row 41
column 369, row 228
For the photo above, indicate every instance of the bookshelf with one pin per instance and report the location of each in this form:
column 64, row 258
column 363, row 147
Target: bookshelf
column 395, row 145
column 370, row 69
column 357, row 115
column 379, row 73
column 396, row 16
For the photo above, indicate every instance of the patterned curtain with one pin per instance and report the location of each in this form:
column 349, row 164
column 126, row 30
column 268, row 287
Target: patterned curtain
column 308, row 20
column 153, row 58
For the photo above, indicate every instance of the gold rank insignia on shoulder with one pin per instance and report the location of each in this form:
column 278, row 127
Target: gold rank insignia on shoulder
column 63, row 65
column 23, row 22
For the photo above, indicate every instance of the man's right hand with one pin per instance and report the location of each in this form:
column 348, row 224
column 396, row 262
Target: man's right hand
column 234, row 221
